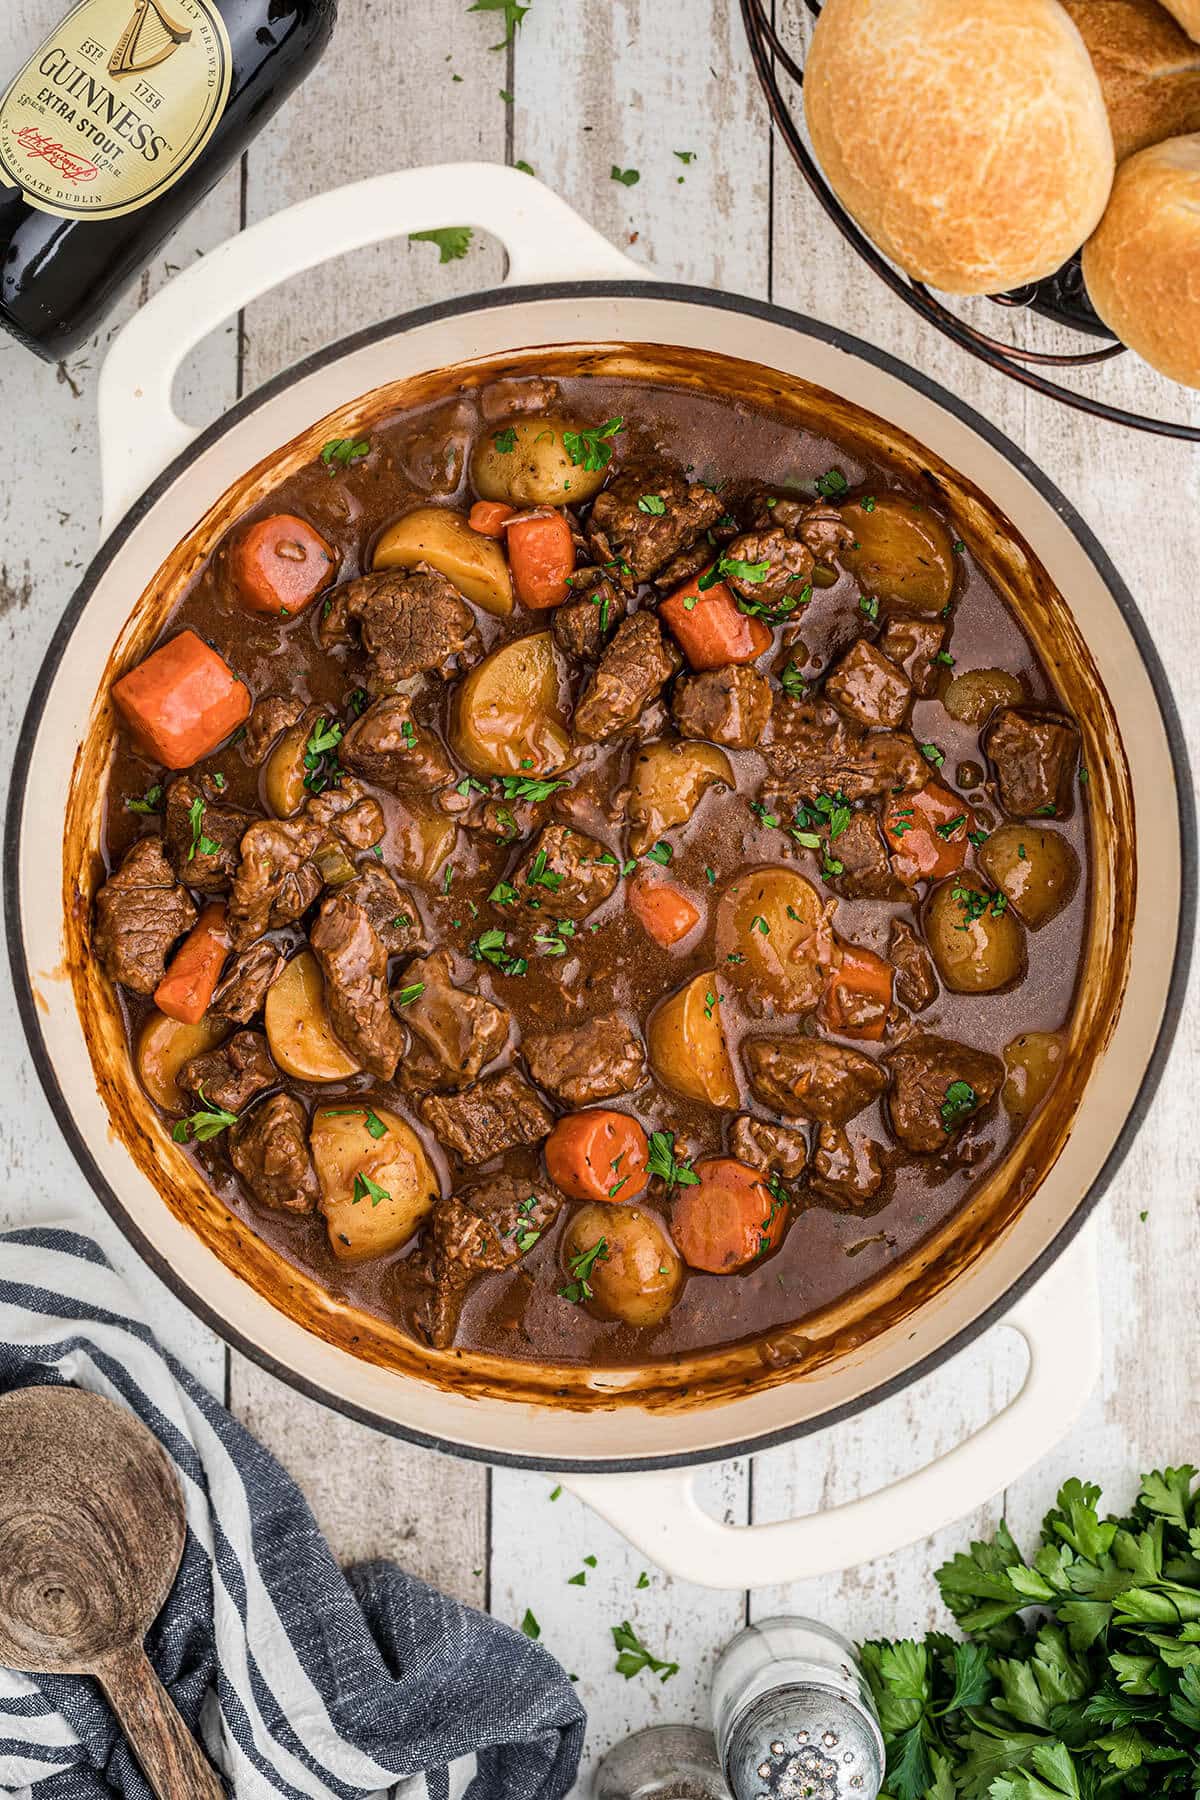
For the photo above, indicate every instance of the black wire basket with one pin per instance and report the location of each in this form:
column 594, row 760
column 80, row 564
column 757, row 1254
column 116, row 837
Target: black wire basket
column 1061, row 297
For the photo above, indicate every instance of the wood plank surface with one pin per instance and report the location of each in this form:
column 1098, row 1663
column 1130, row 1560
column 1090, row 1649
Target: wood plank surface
column 586, row 88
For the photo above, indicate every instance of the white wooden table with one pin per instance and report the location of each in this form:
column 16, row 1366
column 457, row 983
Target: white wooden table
column 593, row 83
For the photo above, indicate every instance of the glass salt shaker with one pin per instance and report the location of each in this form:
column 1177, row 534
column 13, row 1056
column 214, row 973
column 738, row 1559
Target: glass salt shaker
column 793, row 1715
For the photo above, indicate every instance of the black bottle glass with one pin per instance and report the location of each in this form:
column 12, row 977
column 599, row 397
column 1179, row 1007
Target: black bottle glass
column 117, row 126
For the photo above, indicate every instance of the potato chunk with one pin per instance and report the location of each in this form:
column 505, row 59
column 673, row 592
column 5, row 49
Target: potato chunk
column 509, row 717
column 973, row 933
column 298, row 1028
column 526, row 462
column 1031, row 1063
column 1038, row 870
column 623, row 1263
column 667, row 783
column 377, row 1186
column 471, row 562
column 902, row 554
column 774, row 939
column 164, row 1045
column 686, row 1043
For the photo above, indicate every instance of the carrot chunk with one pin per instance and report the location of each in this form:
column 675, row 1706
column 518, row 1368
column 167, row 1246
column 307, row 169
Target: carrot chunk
column 541, row 554
column 661, row 910
column 927, row 832
column 280, row 564
column 729, row 1219
column 711, row 628
column 598, row 1155
column 181, row 701
column 489, row 517
column 858, row 995
column 187, row 988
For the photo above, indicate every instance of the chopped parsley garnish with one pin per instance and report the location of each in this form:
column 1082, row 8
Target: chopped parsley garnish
column 768, row 818
column 207, row 1123
column 627, row 177
column 685, row 156
column 660, row 853
column 490, row 946
column 339, row 453
column 654, row 504
column 932, row 754
column 371, row 1120
column 832, row 484
column 792, row 681
column 150, row 802
column 529, row 1624
column 503, row 894
column 453, row 241
column 633, row 1656
column 320, row 756
column 204, row 845
column 869, row 605
column 506, row 440
column 662, row 1162
column 975, row 902
column 218, row 781
column 580, row 1267
column 960, row 1102
column 948, row 827
column 366, row 1189
column 591, row 449
column 408, row 994
column 541, row 876
column 868, row 503
column 744, row 571
column 529, row 787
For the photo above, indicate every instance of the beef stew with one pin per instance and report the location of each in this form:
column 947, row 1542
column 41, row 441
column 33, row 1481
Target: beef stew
column 602, row 786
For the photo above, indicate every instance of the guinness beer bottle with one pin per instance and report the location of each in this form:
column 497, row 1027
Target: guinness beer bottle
column 115, row 128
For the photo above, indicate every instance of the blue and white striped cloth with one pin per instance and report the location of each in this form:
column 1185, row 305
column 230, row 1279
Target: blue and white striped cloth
column 300, row 1680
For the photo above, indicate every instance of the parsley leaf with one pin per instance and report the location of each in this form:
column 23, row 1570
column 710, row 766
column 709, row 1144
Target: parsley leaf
column 633, row 1656
column 453, row 241
column 627, row 177
column 513, row 16
column 339, row 453
column 662, row 1162
column 590, row 449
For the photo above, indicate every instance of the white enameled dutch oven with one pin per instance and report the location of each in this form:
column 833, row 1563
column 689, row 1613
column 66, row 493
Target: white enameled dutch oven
column 629, row 1446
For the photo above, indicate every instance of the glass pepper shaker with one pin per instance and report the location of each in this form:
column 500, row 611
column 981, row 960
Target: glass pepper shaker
column 793, row 1715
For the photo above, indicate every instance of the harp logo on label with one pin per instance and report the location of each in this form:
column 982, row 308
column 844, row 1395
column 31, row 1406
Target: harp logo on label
column 116, row 105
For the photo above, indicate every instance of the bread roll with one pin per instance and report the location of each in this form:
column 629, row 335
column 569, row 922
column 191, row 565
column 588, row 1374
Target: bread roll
column 1149, row 70
column 1188, row 14
column 1142, row 267
column 967, row 137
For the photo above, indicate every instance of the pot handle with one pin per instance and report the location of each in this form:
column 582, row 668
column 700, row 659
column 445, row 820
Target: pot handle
column 659, row 1513
column 140, row 431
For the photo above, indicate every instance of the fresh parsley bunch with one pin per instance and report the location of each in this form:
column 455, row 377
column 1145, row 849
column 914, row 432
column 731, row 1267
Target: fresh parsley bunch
column 1080, row 1676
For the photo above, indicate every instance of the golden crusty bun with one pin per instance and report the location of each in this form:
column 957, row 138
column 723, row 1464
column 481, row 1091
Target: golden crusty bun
column 967, row 137
column 1149, row 69
column 1142, row 267
column 1188, row 14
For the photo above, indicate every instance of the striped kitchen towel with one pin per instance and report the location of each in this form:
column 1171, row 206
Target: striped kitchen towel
column 300, row 1680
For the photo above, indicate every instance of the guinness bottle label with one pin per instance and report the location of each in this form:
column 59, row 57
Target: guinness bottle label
column 117, row 103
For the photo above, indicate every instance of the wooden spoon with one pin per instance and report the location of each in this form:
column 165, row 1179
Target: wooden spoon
column 92, row 1529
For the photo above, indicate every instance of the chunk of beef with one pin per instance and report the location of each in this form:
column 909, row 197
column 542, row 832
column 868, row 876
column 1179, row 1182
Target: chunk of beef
column 583, row 623
column 564, row 874
column 242, row 989
column 354, row 964
column 915, row 645
column 775, row 1149
column 269, row 1150
column 621, row 533
column 813, row 749
column 140, row 911
column 630, row 674
column 916, row 984
column 495, row 1115
column 268, row 718
column 479, row 1230
column 277, row 880
column 390, row 908
column 866, row 686
column 411, row 622
column 686, row 566
column 203, row 840
column 807, row 1078
column 867, row 872
column 457, row 1032
column 846, row 1170
column 780, row 568
column 389, row 749
column 725, row 706
column 233, row 1075
column 514, row 394
column 937, row 1085
column 596, row 1061
column 1034, row 752
column 819, row 526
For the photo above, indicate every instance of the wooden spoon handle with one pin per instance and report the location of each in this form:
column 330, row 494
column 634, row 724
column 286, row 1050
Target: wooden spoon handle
column 172, row 1761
